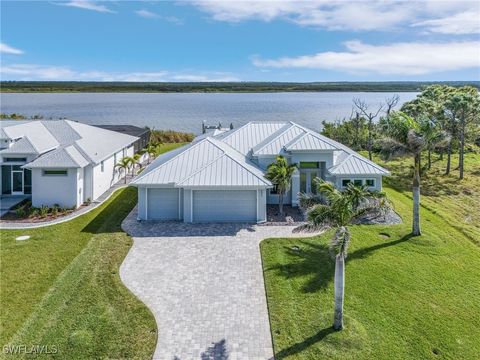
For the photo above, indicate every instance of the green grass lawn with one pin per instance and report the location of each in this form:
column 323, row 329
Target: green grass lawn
column 406, row 298
column 62, row 288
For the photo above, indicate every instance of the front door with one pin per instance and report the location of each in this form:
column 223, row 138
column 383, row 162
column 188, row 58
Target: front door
column 17, row 182
column 307, row 185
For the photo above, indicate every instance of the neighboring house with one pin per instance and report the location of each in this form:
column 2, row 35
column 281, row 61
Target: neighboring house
column 221, row 177
column 59, row 161
column 142, row 133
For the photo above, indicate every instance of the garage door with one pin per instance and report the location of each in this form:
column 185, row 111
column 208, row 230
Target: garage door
column 163, row 204
column 227, row 205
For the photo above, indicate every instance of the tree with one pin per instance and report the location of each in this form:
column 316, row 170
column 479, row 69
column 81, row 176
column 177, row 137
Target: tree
column 405, row 135
column 124, row 164
column 464, row 109
column 363, row 108
column 280, row 174
column 341, row 208
column 136, row 161
column 151, row 150
column 390, row 103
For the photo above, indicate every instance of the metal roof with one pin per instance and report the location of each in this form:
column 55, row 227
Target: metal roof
column 275, row 146
column 250, row 135
column 355, row 164
column 63, row 157
column 92, row 143
column 309, row 141
column 208, row 162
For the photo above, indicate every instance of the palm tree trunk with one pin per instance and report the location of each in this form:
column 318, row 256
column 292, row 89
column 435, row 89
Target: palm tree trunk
column 462, row 148
column 125, row 177
column 449, row 158
column 416, row 197
column 280, row 203
column 339, row 285
column 429, row 159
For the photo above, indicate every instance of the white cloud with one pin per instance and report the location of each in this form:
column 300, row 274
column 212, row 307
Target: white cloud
column 393, row 59
column 151, row 15
column 147, row 14
column 344, row 15
column 6, row 49
column 88, row 5
column 32, row 72
column 467, row 22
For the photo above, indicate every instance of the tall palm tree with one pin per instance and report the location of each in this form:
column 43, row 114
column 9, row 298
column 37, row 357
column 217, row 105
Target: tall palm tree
column 136, row 161
column 406, row 135
column 280, row 174
column 151, row 151
column 338, row 212
column 124, row 164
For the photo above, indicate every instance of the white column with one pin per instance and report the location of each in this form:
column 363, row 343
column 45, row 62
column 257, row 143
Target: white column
column 295, row 187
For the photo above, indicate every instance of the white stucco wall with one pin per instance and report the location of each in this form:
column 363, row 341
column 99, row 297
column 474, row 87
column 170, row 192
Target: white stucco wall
column 187, row 205
column 142, row 203
column 51, row 190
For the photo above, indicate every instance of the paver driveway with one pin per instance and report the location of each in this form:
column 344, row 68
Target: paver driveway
column 204, row 285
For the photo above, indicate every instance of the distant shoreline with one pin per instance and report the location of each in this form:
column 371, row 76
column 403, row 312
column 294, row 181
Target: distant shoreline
column 212, row 87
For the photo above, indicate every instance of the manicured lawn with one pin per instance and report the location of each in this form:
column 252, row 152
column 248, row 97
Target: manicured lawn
column 62, row 287
column 406, row 298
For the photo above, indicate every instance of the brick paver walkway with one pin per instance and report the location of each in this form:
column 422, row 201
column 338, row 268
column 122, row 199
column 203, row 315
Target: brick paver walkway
column 204, row 285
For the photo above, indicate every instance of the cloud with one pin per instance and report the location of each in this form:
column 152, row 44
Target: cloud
column 467, row 22
column 88, row 5
column 6, row 49
column 32, row 72
column 342, row 15
column 414, row 58
column 151, row 15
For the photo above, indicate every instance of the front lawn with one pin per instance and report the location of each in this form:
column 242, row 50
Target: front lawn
column 406, row 298
column 61, row 287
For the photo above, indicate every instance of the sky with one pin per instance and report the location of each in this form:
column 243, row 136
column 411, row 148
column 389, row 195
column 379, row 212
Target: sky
column 302, row 41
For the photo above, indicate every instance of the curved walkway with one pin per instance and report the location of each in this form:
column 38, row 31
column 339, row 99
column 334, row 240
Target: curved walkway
column 11, row 225
column 204, row 285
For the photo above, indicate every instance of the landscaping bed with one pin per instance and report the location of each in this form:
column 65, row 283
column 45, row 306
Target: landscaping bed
column 291, row 215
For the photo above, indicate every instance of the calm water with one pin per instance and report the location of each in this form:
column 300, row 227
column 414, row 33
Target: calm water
column 186, row 111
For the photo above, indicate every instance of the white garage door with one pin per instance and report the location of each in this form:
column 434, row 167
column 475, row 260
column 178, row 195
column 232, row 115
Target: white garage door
column 163, row 204
column 226, row 205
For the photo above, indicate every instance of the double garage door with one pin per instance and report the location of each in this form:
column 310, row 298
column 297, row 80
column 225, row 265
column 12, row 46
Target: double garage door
column 226, row 205
column 207, row 205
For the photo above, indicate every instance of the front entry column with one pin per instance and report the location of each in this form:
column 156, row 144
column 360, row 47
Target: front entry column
column 295, row 187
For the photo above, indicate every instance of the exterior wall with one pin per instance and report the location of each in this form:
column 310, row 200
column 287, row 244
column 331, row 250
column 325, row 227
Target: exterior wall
column 274, row 198
column 88, row 182
column 326, row 157
column 295, row 188
column 80, row 187
column 103, row 180
column 187, row 205
column 261, row 206
column 51, row 190
column 378, row 180
column 142, row 203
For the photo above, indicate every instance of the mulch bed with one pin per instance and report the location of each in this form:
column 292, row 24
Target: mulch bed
column 291, row 215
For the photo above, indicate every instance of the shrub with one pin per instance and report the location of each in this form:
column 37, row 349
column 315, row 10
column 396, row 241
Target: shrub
column 34, row 212
column 55, row 210
column 308, row 200
column 43, row 211
column 21, row 212
column 170, row 136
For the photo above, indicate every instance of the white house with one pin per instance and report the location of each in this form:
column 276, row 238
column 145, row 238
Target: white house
column 59, row 161
column 221, row 177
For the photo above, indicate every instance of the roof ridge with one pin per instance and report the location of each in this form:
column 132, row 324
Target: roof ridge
column 272, row 137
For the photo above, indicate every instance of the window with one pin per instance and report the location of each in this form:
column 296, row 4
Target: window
column 55, row 172
column 14, row 159
column 102, row 166
column 358, row 182
column 345, row 182
column 370, row 182
column 309, row 165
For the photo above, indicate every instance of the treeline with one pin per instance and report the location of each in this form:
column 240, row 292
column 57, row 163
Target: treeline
column 79, row 86
column 170, row 136
column 446, row 119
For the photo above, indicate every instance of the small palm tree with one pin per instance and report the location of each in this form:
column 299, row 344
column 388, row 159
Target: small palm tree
column 124, row 165
column 280, row 174
column 136, row 161
column 151, row 150
column 341, row 208
column 408, row 135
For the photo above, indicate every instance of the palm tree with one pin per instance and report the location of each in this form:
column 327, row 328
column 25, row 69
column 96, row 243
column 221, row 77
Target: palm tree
column 136, row 160
column 151, row 151
column 338, row 212
column 408, row 135
column 124, row 164
column 280, row 174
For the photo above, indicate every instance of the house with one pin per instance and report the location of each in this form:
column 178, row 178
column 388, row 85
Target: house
column 60, row 162
column 142, row 133
column 221, row 177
